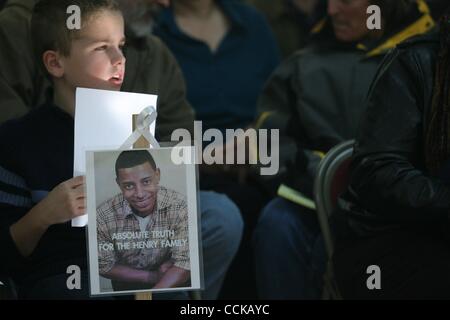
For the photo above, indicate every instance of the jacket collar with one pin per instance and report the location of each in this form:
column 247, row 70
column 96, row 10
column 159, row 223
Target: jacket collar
column 421, row 24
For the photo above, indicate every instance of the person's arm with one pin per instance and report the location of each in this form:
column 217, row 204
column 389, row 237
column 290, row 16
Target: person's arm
column 277, row 100
column 22, row 85
column 108, row 256
column 63, row 203
column 179, row 273
column 132, row 275
column 388, row 175
column 167, row 276
column 278, row 109
column 12, row 258
column 174, row 277
column 274, row 111
column 22, row 226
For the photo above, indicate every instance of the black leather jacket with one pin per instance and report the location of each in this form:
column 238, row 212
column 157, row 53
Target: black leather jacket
column 390, row 186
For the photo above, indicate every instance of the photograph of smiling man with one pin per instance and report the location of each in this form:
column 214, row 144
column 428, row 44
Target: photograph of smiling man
column 145, row 222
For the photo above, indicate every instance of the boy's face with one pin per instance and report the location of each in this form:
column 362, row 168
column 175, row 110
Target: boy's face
column 96, row 59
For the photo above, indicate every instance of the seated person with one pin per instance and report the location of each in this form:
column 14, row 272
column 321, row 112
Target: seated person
column 395, row 213
column 316, row 98
column 291, row 20
column 226, row 51
column 39, row 243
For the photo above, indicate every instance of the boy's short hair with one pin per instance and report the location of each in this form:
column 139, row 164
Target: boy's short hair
column 49, row 29
column 132, row 158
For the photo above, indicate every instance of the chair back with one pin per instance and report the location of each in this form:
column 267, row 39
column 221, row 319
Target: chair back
column 331, row 180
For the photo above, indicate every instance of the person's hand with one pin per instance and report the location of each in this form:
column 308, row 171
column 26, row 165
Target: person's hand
column 165, row 266
column 241, row 144
column 65, row 202
column 247, row 147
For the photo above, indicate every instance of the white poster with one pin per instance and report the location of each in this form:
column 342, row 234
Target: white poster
column 103, row 121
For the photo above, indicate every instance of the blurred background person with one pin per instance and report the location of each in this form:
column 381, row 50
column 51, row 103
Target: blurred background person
column 395, row 212
column 292, row 20
column 316, row 99
column 226, row 51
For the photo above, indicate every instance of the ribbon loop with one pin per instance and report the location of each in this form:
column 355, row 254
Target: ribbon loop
column 144, row 120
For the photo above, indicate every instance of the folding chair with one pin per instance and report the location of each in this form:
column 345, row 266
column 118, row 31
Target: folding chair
column 331, row 180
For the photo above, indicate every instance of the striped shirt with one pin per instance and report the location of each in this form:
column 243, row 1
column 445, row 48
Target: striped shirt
column 36, row 154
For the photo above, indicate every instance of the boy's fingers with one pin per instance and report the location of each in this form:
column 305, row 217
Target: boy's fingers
column 81, row 212
column 80, row 206
column 77, row 181
column 80, row 191
column 77, row 194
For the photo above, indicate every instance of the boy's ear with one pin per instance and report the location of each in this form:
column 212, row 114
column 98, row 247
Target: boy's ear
column 53, row 63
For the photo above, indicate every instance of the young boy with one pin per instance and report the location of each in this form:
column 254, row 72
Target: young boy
column 36, row 151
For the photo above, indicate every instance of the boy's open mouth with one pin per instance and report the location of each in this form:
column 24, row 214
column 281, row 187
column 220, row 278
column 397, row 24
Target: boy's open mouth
column 116, row 79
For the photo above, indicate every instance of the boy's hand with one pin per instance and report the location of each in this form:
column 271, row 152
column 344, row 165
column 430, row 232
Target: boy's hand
column 65, row 202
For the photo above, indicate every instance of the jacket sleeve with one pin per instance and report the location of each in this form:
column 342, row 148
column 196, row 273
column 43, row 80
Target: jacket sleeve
column 388, row 178
column 277, row 109
column 15, row 202
column 274, row 111
column 277, row 100
column 18, row 83
column 12, row 258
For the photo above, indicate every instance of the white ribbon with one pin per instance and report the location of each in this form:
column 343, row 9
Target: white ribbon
column 144, row 120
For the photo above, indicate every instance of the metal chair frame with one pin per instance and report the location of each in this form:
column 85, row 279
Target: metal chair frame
column 325, row 205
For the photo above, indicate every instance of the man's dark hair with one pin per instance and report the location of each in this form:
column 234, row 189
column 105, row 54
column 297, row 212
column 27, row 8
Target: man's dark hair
column 133, row 158
column 437, row 140
column 438, row 8
column 49, row 29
